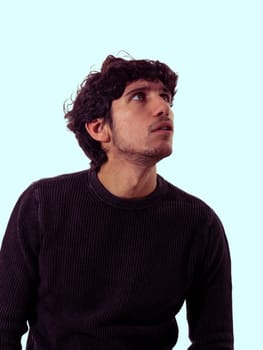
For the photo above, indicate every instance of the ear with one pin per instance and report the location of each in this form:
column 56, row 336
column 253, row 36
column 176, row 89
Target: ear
column 98, row 130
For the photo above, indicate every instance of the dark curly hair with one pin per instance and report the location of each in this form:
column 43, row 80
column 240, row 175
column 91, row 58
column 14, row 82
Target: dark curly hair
column 99, row 89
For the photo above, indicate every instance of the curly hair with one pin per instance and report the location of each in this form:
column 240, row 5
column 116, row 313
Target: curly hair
column 98, row 90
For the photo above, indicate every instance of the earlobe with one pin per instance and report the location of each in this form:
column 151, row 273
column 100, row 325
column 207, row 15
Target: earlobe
column 98, row 130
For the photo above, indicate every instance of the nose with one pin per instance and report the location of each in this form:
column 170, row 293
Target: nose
column 161, row 107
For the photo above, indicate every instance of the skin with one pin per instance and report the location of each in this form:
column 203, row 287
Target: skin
column 141, row 134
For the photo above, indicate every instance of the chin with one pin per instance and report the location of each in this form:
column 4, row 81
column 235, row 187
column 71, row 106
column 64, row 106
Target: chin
column 164, row 155
column 159, row 153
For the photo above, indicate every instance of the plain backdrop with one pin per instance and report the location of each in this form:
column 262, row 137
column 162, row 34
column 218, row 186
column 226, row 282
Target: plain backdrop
column 48, row 47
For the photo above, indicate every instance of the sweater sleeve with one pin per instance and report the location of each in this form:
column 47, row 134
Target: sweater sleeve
column 18, row 271
column 209, row 303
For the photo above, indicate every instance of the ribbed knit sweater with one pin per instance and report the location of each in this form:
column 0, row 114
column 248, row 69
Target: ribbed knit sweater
column 91, row 271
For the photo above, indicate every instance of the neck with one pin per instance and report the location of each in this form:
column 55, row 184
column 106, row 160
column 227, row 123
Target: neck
column 127, row 180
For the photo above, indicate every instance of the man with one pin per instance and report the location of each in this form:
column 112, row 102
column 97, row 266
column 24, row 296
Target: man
column 105, row 258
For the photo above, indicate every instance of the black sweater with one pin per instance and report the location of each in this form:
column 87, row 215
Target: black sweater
column 91, row 271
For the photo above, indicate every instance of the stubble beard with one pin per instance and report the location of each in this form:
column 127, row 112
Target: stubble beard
column 147, row 157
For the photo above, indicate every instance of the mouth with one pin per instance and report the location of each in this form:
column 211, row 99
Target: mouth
column 162, row 126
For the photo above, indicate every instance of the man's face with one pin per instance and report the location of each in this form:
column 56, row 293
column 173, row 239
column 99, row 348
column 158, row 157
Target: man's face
column 142, row 123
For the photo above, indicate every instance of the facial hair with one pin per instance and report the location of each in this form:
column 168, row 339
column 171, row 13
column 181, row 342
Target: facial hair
column 148, row 156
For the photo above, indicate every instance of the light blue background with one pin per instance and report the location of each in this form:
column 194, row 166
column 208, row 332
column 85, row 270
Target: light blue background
column 47, row 48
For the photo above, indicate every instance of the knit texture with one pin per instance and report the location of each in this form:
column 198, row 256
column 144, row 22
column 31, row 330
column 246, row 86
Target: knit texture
column 91, row 271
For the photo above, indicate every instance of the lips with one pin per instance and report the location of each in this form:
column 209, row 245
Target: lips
column 162, row 126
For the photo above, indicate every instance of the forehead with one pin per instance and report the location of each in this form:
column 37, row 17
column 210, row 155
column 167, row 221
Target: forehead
column 142, row 83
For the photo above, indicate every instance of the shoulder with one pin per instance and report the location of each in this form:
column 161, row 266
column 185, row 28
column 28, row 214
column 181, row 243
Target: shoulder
column 63, row 179
column 175, row 194
column 56, row 187
column 61, row 183
column 206, row 226
column 188, row 205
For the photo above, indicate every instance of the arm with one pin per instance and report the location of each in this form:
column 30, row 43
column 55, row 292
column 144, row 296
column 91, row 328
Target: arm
column 18, row 271
column 209, row 303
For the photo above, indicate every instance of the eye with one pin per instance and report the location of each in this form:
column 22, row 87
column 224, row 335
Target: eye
column 139, row 96
column 167, row 98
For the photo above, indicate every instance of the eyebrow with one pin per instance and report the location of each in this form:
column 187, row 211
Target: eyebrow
column 147, row 88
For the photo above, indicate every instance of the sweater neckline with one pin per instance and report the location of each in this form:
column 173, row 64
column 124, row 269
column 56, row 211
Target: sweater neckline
column 107, row 197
